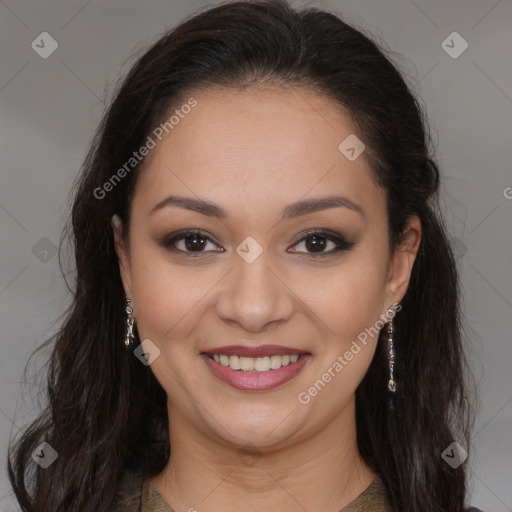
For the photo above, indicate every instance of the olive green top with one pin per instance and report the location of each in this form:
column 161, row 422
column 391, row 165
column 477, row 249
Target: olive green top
column 137, row 495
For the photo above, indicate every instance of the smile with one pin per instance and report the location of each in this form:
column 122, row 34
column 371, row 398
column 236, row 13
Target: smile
column 258, row 364
column 255, row 373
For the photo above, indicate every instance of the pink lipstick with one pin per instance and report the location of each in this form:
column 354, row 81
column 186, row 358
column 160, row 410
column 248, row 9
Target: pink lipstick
column 255, row 368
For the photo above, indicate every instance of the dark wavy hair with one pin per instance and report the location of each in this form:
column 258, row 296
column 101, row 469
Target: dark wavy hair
column 107, row 413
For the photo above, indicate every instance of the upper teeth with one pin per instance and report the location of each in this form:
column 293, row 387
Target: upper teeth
column 259, row 364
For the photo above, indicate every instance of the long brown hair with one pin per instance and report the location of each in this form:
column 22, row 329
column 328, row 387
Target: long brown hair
column 107, row 413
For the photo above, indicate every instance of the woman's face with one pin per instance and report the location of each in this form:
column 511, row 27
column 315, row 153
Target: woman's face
column 263, row 160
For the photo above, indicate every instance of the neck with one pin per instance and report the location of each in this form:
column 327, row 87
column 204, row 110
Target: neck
column 320, row 473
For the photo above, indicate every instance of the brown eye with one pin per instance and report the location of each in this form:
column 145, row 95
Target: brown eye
column 195, row 242
column 189, row 242
column 318, row 241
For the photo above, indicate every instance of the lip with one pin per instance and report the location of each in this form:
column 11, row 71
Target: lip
column 262, row 350
column 256, row 381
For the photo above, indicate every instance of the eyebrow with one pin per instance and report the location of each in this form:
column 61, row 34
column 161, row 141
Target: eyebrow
column 297, row 209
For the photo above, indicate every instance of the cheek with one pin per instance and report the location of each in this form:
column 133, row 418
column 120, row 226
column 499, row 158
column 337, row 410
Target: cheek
column 167, row 296
column 361, row 293
column 350, row 307
column 348, row 299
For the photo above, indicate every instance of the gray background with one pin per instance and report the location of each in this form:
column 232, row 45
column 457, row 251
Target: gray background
column 50, row 107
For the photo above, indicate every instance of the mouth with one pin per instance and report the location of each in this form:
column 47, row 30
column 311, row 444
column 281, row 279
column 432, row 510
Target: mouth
column 255, row 364
column 257, row 369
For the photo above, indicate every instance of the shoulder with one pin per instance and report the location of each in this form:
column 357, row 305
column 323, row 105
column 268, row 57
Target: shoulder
column 128, row 494
column 373, row 499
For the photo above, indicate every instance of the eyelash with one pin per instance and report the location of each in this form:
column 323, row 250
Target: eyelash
column 342, row 244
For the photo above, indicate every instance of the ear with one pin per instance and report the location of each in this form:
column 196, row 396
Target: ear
column 400, row 266
column 122, row 254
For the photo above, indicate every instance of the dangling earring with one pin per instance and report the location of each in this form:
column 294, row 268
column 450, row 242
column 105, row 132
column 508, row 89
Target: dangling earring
column 391, row 350
column 129, row 325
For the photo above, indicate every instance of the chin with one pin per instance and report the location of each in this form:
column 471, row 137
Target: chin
column 262, row 430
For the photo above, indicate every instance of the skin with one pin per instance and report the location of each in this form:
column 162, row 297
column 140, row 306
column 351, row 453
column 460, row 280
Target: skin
column 253, row 152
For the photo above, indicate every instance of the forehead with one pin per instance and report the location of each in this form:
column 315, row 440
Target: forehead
column 263, row 144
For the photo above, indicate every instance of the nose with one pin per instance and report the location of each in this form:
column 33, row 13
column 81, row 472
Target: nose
column 255, row 295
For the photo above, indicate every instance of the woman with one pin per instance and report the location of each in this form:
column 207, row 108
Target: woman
column 257, row 223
